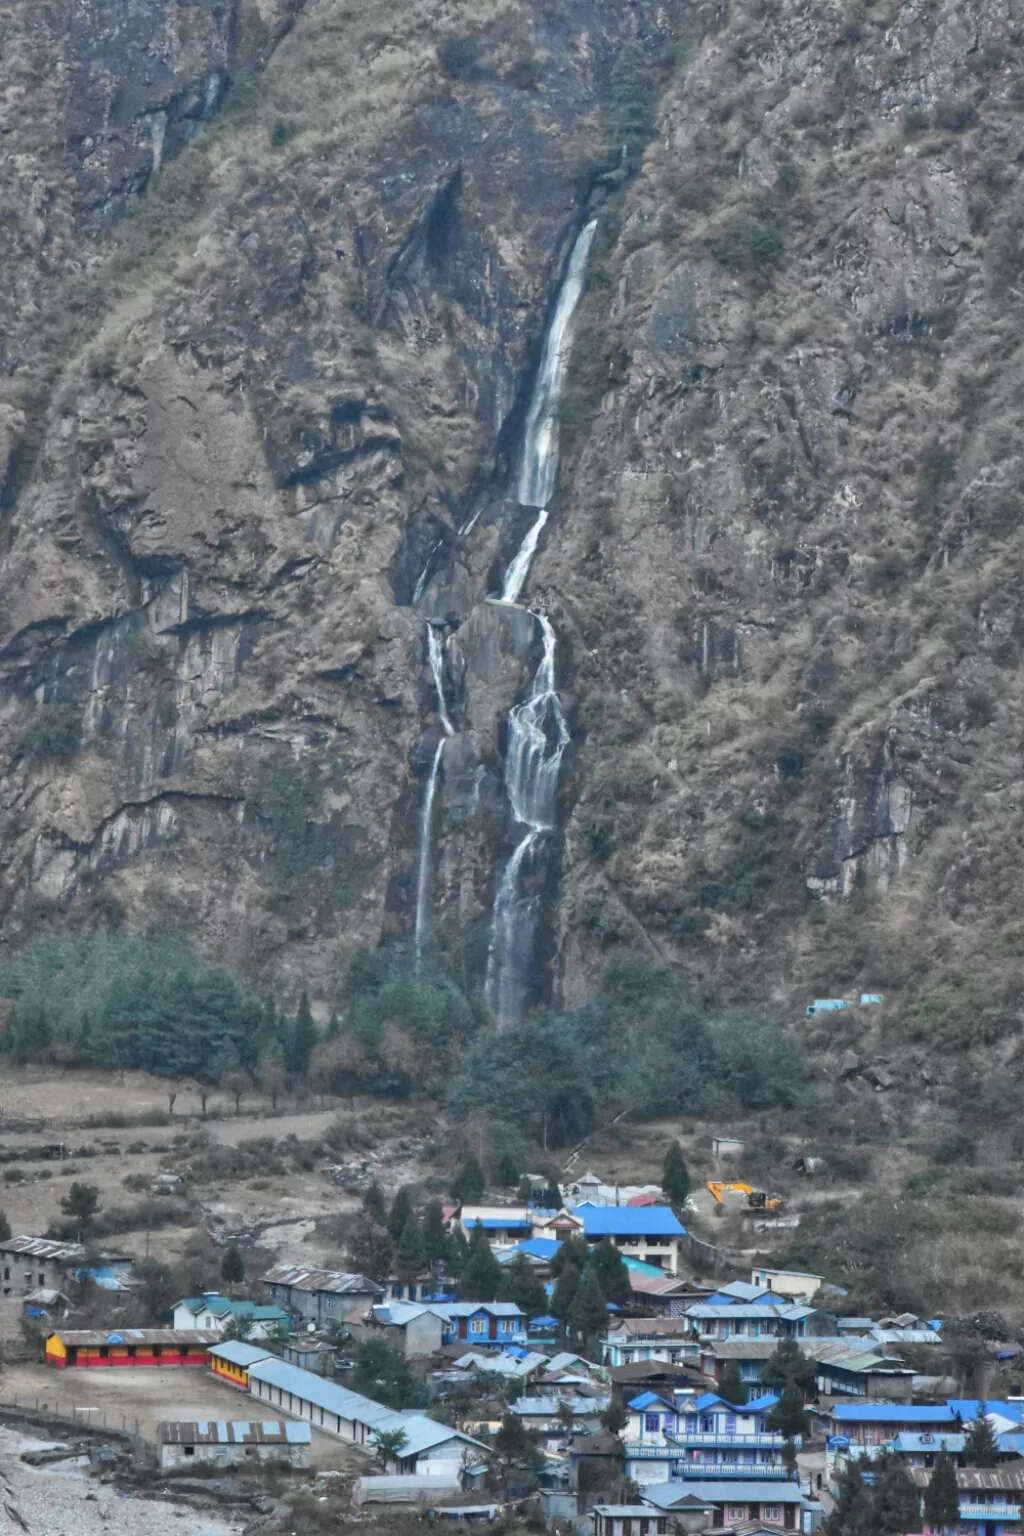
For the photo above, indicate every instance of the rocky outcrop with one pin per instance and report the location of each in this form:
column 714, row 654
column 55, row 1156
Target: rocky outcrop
column 260, row 416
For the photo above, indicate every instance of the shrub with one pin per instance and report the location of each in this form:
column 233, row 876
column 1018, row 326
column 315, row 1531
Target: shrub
column 55, row 732
column 524, row 71
column 937, row 468
column 749, row 244
column 458, row 57
column 915, row 120
column 888, row 572
column 282, row 131
column 954, row 114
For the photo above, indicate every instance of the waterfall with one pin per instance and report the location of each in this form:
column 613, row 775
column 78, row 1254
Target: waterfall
column 538, row 735
column 539, row 466
column 537, row 730
column 435, row 651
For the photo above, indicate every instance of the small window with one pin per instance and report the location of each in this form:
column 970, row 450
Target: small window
column 42, row 1279
column 7, row 1272
column 772, row 1513
column 189, row 1450
column 652, row 1422
column 478, row 1325
column 735, row 1512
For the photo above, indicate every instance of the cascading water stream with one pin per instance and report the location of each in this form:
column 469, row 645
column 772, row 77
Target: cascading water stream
column 538, row 735
column 537, row 730
column 435, row 651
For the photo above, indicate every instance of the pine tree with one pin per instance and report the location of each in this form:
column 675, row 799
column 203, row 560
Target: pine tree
column 512, row 1443
column 411, row 1254
column 942, row 1496
column 458, row 1253
column 675, row 1179
column 789, row 1416
column 981, row 1448
column 615, row 1418
column 612, row 1272
column 588, row 1314
column 896, row 1503
column 232, row 1266
column 789, row 1366
column 333, row 1028
column 853, row 1513
column 572, row 1250
column 435, row 1238
column 469, row 1184
column 519, row 1283
column 5, row 1227
column 730, row 1385
column 566, row 1286
column 375, row 1205
column 300, row 1040
column 370, row 1249
column 481, row 1278
column 401, row 1210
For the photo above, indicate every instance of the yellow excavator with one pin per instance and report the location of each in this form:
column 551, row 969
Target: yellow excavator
column 757, row 1199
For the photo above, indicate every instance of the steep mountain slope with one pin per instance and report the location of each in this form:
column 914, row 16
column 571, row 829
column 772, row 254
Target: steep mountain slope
column 264, row 421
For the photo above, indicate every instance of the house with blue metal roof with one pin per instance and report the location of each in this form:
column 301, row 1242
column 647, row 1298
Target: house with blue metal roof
column 651, row 1233
column 700, row 1437
column 538, row 1252
column 758, row 1320
column 482, row 1322
column 505, row 1225
column 776, row 1502
column 357, row 1419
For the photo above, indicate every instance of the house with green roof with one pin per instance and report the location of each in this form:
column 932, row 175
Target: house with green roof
column 216, row 1313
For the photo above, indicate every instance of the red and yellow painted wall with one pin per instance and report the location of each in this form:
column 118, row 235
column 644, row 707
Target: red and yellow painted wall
column 236, row 1375
column 64, row 1354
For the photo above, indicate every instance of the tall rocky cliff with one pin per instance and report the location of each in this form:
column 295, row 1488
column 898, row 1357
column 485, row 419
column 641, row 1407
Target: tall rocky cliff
column 277, row 281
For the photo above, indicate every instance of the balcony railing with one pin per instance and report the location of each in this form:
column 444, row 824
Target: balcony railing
column 990, row 1511
column 699, row 1470
column 643, row 1450
column 750, row 1442
column 692, row 1439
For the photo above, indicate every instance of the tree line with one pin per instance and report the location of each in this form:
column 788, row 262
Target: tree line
column 643, row 1043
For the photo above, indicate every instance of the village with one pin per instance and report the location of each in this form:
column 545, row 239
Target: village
column 575, row 1352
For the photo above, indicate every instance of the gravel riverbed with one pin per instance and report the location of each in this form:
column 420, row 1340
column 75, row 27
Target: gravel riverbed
column 62, row 1500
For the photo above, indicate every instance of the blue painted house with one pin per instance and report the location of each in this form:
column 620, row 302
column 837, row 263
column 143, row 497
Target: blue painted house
column 700, row 1437
column 482, row 1322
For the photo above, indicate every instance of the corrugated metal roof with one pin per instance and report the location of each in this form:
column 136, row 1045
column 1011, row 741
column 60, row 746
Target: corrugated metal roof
column 453, row 1309
column 741, row 1311
column 891, row 1413
column 234, row 1432
column 724, row 1491
column 42, row 1248
column 220, row 1306
column 629, row 1221
column 421, row 1433
column 1009, row 1479
column 84, row 1338
column 235, row 1352
column 302, row 1278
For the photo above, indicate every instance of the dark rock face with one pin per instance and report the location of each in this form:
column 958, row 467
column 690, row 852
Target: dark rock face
column 227, row 529
column 141, row 80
